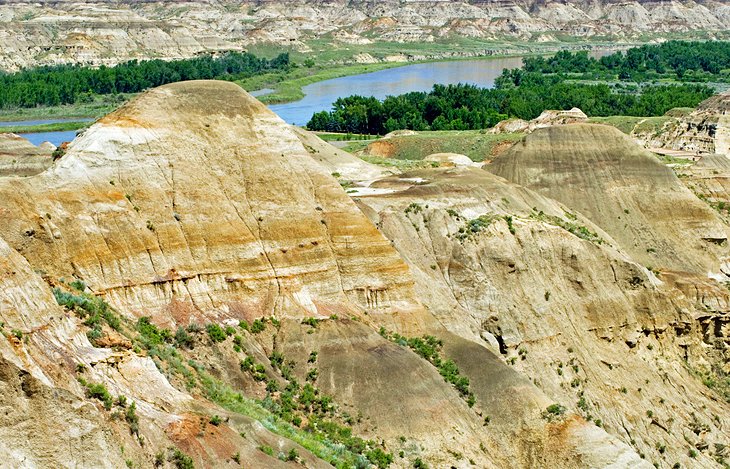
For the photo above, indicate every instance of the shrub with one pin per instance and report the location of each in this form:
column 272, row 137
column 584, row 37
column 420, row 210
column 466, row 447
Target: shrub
column 276, row 359
column 183, row 339
column 150, row 335
column 272, row 386
column 215, row 332
column 87, row 306
column 215, row 420
column 131, row 417
column 553, row 411
column 266, row 450
column 379, row 458
column 247, row 363
column 311, row 322
column 258, row 326
column 181, row 460
column 99, row 391
column 510, row 226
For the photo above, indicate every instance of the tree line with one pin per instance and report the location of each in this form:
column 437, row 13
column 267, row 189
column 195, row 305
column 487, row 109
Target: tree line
column 680, row 60
column 69, row 84
column 516, row 94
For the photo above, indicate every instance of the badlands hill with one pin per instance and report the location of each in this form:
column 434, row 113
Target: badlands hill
column 110, row 31
column 601, row 173
column 188, row 282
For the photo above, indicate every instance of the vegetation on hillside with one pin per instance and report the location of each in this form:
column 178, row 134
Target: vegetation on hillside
column 70, row 84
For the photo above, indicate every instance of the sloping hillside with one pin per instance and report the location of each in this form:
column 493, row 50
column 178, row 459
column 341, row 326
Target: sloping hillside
column 601, row 173
column 187, row 255
column 560, row 301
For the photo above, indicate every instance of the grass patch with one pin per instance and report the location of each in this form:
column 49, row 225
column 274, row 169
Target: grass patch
column 429, row 348
column 571, row 226
column 478, row 145
column 630, row 124
column 320, row 446
column 287, row 86
column 55, row 127
column 402, row 165
column 100, row 106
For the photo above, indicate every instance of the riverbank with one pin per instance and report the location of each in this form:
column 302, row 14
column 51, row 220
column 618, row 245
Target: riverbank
column 54, row 127
column 287, row 87
column 101, row 106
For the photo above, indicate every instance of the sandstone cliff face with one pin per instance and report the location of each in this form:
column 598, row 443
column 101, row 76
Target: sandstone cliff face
column 111, row 31
column 195, row 204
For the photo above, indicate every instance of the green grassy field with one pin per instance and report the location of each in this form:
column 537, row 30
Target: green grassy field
column 476, row 144
column 288, row 86
column 100, row 106
column 57, row 127
column 630, row 124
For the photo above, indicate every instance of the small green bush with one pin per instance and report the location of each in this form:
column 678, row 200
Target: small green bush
column 258, row 326
column 181, row 460
column 132, row 419
column 311, row 322
column 215, row 332
column 100, row 392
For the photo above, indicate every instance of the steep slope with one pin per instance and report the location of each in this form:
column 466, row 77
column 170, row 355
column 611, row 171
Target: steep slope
column 194, row 204
column 110, row 31
column 204, row 217
column 600, row 172
column 555, row 298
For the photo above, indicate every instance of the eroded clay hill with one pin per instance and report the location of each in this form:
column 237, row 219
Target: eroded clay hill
column 601, row 173
column 706, row 130
column 560, row 301
column 19, row 157
column 188, row 255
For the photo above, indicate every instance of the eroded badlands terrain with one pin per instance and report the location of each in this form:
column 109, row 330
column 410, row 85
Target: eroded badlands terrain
column 196, row 260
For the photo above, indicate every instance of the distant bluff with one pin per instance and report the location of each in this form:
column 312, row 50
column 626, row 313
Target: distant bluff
column 51, row 32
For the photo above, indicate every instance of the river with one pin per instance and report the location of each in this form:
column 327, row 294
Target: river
column 393, row 81
column 321, row 95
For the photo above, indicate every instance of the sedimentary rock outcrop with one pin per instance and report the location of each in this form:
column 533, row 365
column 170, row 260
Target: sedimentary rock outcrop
column 112, row 31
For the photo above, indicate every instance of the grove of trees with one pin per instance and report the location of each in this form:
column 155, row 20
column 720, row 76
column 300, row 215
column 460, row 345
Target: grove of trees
column 68, row 84
column 517, row 94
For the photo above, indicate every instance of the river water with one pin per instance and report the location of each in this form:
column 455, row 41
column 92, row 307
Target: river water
column 417, row 77
column 36, row 138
